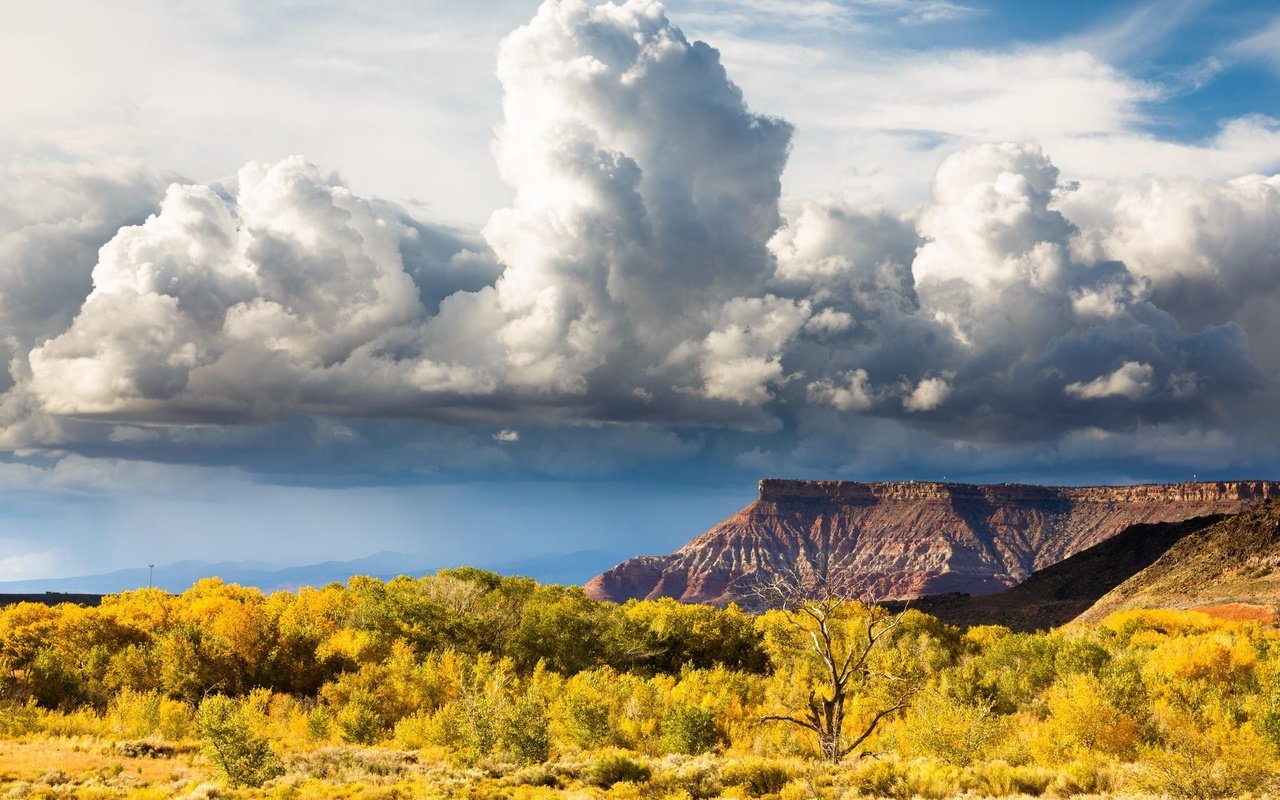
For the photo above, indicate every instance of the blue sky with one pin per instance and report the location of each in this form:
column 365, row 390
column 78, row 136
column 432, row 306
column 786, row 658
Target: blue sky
column 306, row 282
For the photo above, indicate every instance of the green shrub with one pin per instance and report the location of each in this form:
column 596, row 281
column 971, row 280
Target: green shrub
column 928, row 779
column 525, row 736
column 1080, row 655
column 535, row 776
column 616, row 768
column 245, row 758
column 953, row 731
column 134, row 714
column 415, row 732
column 1001, row 779
column 359, row 723
column 877, row 777
column 1209, row 764
column 1268, row 724
column 17, row 719
column 54, row 680
column 174, row 719
column 318, row 724
column 144, row 748
column 757, row 776
column 584, row 718
column 701, row 780
column 444, row 727
column 480, row 718
column 689, row 729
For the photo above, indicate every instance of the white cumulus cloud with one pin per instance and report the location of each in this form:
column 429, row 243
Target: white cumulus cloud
column 927, row 395
column 852, row 393
column 1131, row 380
column 290, row 294
column 646, row 276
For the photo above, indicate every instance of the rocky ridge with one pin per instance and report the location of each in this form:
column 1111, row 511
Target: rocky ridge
column 908, row 539
column 1232, row 565
column 1060, row 592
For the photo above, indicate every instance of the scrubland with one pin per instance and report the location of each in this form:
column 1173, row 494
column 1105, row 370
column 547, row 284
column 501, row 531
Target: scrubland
column 466, row 684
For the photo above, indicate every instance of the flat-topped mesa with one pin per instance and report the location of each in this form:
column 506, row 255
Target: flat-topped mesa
column 778, row 490
column 1249, row 492
column 906, row 539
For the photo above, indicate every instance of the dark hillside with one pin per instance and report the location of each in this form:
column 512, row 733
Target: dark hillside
column 51, row 598
column 1232, row 563
column 1061, row 592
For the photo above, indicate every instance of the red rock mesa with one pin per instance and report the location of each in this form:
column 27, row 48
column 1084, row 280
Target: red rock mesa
column 902, row 540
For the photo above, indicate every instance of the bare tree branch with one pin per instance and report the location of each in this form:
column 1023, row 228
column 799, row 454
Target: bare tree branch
column 821, row 608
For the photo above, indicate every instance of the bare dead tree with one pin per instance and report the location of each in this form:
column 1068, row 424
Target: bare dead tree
column 844, row 628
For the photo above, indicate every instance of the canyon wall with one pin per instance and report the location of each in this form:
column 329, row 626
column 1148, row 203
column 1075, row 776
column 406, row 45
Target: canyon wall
column 908, row 539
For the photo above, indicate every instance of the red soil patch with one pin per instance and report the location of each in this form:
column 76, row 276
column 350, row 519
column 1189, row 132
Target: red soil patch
column 1240, row 612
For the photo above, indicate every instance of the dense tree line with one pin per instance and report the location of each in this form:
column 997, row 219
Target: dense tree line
column 479, row 668
column 229, row 639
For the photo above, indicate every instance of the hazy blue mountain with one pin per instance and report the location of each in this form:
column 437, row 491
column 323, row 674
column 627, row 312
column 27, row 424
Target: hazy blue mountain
column 565, row 568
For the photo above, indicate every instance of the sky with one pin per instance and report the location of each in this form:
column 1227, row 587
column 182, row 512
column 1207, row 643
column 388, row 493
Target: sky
column 303, row 281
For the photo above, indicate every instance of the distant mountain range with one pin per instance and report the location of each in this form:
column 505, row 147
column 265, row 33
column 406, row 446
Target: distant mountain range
column 563, row 568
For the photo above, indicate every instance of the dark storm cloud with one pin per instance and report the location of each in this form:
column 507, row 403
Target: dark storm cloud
column 52, row 221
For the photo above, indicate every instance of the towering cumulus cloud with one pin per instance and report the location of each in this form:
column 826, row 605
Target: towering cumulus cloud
column 645, row 193
column 992, row 325
column 642, row 275
column 634, row 263
column 1033, row 322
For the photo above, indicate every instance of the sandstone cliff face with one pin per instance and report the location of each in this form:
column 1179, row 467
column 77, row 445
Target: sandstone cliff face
column 902, row 540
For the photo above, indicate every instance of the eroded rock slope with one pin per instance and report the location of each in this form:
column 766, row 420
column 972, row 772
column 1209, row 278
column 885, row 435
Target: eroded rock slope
column 902, row 540
column 1232, row 567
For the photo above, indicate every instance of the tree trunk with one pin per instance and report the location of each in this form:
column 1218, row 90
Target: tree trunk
column 831, row 741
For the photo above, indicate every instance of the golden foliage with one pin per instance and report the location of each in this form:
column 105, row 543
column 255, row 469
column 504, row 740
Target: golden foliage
column 471, row 685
